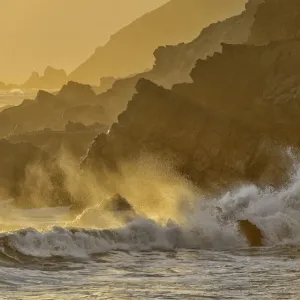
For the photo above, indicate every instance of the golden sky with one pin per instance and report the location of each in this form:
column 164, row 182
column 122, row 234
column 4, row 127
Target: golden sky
column 60, row 33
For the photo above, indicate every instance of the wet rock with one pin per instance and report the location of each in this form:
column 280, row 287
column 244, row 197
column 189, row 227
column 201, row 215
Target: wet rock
column 251, row 232
column 117, row 203
column 116, row 207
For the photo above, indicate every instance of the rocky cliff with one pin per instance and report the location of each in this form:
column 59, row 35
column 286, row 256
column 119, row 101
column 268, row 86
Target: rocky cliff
column 223, row 128
column 173, row 64
column 130, row 50
column 231, row 122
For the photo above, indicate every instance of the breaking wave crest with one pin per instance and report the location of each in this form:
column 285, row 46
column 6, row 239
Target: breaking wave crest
column 139, row 235
column 207, row 224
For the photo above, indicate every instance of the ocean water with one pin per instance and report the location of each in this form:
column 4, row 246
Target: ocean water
column 15, row 96
column 43, row 256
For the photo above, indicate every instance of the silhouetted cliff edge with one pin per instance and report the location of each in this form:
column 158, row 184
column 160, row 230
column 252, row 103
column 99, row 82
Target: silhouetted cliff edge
column 173, row 64
column 223, row 128
column 130, row 50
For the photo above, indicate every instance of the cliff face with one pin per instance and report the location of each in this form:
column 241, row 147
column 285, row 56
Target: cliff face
column 276, row 20
column 130, row 50
column 252, row 83
column 219, row 127
column 173, row 64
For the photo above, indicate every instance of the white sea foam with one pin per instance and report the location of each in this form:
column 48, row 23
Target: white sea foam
column 211, row 224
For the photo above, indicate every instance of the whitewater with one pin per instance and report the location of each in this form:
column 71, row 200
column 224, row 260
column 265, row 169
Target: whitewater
column 46, row 255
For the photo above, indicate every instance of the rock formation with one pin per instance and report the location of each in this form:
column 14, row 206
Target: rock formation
column 230, row 123
column 251, row 232
column 176, row 21
column 52, row 79
column 173, row 64
column 106, row 83
column 276, row 20
column 223, row 127
column 74, row 102
column 115, row 207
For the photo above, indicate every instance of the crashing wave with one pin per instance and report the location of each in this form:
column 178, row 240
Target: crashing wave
column 139, row 235
column 210, row 224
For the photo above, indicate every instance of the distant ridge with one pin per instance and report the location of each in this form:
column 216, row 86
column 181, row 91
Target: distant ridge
column 131, row 49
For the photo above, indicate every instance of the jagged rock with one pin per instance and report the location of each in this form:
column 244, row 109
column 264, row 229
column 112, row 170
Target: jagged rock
column 75, row 102
column 173, row 64
column 33, row 81
column 251, row 232
column 106, row 83
column 176, row 21
column 116, row 206
column 76, row 93
column 45, row 98
column 219, row 127
column 120, row 208
column 115, row 100
column 52, row 79
column 55, row 76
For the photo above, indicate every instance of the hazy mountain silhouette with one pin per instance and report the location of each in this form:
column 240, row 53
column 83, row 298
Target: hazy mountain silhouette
column 131, row 49
column 52, row 79
column 173, row 64
column 36, row 34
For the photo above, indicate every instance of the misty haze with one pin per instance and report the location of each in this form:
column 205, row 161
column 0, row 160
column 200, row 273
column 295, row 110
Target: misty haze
column 149, row 149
